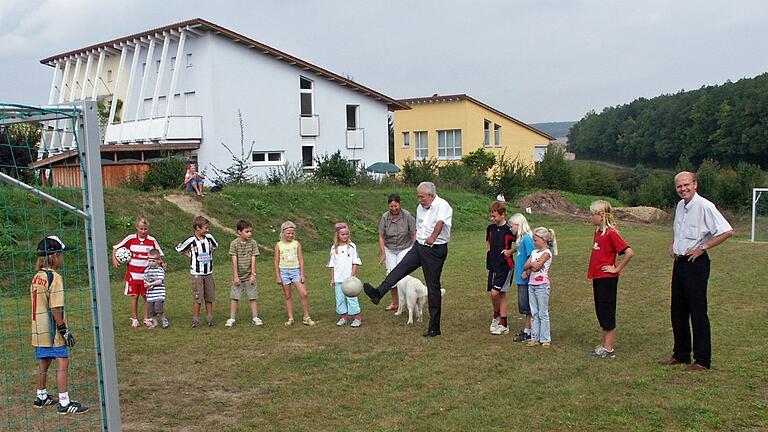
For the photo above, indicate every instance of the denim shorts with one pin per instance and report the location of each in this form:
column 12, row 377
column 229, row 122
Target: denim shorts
column 290, row 275
column 43, row 353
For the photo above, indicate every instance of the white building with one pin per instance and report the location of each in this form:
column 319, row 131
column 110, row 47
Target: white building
column 293, row 111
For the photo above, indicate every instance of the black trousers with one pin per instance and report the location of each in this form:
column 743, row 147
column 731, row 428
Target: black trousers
column 689, row 302
column 431, row 260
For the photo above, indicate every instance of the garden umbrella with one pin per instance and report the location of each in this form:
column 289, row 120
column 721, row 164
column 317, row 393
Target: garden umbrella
column 383, row 168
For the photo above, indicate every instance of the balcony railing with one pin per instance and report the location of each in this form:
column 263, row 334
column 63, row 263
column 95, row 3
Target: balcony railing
column 355, row 138
column 309, row 126
column 178, row 128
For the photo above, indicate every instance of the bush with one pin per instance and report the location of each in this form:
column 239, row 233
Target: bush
column 728, row 193
column 655, row 191
column 595, row 180
column 479, row 160
column 335, row 169
column 459, row 175
column 286, row 174
column 167, row 173
column 749, row 176
column 707, row 177
column 510, row 176
column 415, row 172
column 553, row 172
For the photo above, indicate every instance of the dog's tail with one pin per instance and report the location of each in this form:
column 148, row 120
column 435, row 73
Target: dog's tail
column 442, row 292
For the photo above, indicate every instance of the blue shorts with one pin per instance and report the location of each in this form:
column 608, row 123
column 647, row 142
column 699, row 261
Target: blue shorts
column 45, row 353
column 290, row 275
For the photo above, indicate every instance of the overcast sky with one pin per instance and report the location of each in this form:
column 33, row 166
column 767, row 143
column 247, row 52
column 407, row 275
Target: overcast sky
column 537, row 60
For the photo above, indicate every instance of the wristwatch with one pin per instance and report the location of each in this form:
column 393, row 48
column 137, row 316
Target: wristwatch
column 703, row 247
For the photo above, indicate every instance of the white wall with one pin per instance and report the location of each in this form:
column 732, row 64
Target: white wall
column 229, row 76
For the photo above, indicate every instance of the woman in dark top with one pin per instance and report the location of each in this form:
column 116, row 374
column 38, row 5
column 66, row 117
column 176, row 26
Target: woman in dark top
column 397, row 232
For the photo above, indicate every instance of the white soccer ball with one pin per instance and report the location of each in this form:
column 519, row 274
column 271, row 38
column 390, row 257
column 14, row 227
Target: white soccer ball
column 351, row 286
column 123, row 255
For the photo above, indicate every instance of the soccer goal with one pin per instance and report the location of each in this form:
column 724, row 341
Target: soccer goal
column 760, row 214
column 50, row 184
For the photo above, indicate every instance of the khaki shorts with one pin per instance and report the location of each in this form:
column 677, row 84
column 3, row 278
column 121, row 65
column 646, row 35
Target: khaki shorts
column 203, row 289
column 250, row 290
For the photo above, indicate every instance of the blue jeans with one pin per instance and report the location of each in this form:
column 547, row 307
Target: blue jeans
column 345, row 305
column 538, row 295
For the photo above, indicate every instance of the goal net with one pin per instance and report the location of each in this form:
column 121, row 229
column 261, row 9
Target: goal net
column 760, row 214
column 50, row 184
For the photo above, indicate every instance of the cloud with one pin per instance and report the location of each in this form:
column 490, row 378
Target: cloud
column 49, row 26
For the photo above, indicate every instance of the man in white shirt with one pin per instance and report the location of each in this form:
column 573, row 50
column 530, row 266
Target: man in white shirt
column 433, row 231
column 698, row 227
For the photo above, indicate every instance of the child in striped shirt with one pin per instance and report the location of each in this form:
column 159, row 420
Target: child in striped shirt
column 154, row 281
column 199, row 249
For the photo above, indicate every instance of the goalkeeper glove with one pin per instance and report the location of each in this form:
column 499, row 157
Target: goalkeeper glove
column 64, row 332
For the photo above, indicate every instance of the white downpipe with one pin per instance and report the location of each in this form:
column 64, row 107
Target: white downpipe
column 113, row 107
column 174, row 80
column 160, row 73
column 148, row 65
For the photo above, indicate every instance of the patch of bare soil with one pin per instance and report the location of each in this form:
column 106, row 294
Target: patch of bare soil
column 191, row 205
column 553, row 204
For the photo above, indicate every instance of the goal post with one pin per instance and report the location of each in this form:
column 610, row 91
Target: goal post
column 32, row 208
column 759, row 214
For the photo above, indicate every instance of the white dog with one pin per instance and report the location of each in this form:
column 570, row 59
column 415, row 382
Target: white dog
column 413, row 293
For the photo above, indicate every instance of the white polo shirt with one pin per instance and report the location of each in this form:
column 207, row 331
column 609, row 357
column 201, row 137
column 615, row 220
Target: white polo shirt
column 696, row 223
column 426, row 219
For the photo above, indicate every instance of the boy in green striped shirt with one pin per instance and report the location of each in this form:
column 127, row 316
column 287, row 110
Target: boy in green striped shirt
column 244, row 251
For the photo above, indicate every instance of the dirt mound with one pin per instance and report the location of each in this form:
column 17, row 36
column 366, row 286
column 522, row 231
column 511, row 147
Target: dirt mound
column 554, row 204
column 550, row 203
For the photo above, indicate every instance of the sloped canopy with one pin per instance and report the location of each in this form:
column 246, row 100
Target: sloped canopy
column 383, row 168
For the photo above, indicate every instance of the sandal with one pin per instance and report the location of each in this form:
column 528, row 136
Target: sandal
column 134, row 323
column 390, row 308
column 289, row 322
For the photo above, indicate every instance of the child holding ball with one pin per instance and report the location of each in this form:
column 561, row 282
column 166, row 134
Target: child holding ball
column 343, row 264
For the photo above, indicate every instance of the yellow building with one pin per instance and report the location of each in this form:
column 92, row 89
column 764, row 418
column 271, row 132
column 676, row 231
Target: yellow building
column 447, row 127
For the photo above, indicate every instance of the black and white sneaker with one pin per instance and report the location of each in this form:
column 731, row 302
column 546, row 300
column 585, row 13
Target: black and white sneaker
column 39, row 403
column 522, row 337
column 72, row 408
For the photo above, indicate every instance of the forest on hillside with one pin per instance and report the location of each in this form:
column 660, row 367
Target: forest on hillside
column 727, row 123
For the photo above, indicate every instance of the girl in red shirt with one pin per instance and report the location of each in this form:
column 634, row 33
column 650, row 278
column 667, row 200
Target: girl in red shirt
column 604, row 272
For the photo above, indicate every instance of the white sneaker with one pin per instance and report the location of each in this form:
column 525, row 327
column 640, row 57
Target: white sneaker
column 257, row 321
column 500, row 330
column 230, row 322
column 494, row 324
column 341, row 322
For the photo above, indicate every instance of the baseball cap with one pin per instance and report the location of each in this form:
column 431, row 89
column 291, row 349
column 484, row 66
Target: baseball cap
column 51, row 245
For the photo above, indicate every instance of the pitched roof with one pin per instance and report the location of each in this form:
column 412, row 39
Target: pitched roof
column 460, row 97
column 199, row 25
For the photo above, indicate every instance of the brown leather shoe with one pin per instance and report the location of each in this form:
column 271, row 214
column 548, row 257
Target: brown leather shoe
column 695, row 368
column 671, row 362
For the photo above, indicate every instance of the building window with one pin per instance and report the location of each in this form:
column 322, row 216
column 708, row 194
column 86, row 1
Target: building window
column 486, row 133
column 422, row 146
column 449, row 144
column 307, row 156
column 173, row 63
column 406, row 139
column 109, row 76
column 267, row 158
column 157, row 66
column 189, row 59
column 352, row 117
column 306, row 95
column 497, row 135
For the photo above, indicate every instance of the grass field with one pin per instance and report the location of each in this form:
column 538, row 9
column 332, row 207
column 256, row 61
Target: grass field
column 385, row 376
